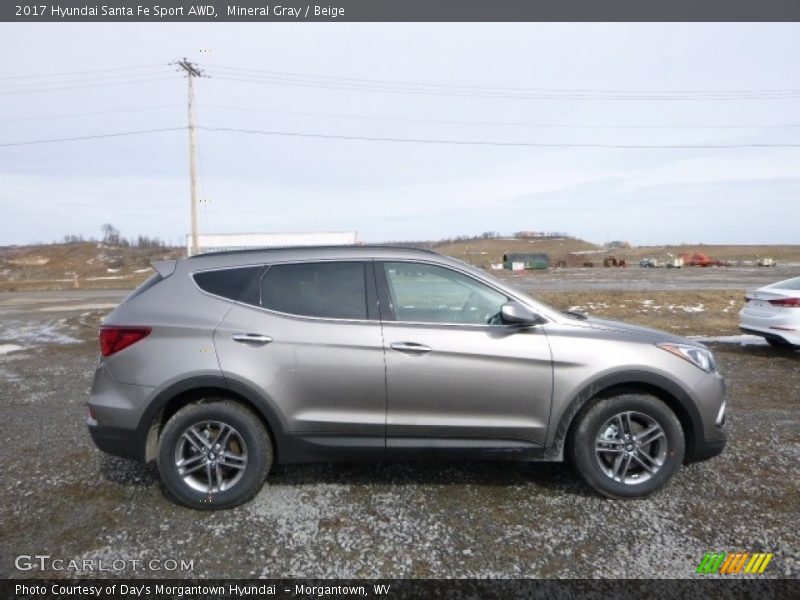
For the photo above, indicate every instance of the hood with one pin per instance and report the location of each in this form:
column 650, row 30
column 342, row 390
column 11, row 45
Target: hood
column 644, row 334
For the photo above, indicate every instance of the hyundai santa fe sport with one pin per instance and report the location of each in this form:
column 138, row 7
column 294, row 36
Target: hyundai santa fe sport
column 222, row 365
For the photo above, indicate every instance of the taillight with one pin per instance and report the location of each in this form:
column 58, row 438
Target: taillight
column 786, row 302
column 114, row 339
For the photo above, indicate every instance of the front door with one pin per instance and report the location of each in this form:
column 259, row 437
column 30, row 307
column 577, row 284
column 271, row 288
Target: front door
column 456, row 375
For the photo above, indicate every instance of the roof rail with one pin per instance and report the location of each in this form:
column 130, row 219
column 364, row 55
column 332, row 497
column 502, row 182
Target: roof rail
column 332, row 247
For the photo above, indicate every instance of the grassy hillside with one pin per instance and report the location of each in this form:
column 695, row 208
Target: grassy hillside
column 96, row 265
column 574, row 252
column 484, row 252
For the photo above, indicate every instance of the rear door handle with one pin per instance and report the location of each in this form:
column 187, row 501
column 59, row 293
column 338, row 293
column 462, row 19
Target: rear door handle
column 410, row 347
column 253, row 339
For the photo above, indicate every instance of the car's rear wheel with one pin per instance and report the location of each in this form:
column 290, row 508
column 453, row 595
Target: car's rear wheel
column 214, row 454
column 627, row 446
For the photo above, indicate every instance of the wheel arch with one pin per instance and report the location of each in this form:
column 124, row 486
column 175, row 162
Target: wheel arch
column 171, row 399
column 669, row 392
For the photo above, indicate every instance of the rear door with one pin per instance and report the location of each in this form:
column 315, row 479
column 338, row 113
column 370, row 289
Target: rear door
column 307, row 338
column 457, row 378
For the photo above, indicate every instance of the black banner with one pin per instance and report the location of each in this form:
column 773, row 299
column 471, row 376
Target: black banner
column 400, row 10
column 712, row 587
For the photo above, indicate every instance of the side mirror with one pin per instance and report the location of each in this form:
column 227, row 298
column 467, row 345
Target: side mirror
column 514, row 313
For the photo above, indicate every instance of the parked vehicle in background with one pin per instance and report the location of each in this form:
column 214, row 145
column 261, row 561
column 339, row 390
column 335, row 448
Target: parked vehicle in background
column 702, row 260
column 222, row 365
column 766, row 262
column 773, row 312
column 674, row 262
column 651, row 263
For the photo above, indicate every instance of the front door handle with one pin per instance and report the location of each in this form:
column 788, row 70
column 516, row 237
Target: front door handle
column 410, row 347
column 252, row 339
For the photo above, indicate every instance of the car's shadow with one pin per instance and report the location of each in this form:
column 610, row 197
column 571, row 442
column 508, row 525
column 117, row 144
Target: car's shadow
column 556, row 477
column 763, row 351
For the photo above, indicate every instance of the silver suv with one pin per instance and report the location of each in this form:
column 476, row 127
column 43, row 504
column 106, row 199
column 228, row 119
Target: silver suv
column 222, row 365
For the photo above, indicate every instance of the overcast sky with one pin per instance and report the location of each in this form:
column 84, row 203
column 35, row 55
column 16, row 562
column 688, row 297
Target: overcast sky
column 405, row 191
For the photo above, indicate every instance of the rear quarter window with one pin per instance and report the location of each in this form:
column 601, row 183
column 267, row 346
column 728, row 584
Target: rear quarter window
column 332, row 290
column 228, row 283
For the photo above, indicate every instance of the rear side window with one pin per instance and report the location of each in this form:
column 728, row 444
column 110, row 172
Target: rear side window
column 228, row 283
column 332, row 290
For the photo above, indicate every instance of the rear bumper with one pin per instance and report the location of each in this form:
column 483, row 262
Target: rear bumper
column 782, row 325
column 119, row 442
column 116, row 411
column 785, row 337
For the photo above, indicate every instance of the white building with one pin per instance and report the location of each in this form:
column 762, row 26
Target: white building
column 222, row 242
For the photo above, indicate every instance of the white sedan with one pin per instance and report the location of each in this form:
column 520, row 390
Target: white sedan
column 773, row 312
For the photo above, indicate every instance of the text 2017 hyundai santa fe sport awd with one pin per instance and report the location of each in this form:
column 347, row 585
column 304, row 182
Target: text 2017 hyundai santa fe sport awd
column 222, row 365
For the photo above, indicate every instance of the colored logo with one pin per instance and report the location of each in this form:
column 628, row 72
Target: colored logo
column 734, row 563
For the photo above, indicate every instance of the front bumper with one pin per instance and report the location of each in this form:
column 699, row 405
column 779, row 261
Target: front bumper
column 710, row 433
column 708, row 449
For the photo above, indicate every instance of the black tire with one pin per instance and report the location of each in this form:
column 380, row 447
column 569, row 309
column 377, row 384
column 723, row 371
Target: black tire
column 249, row 443
column 597, row 467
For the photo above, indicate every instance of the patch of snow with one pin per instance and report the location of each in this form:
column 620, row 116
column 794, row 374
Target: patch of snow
column 143, row 270
column 110, row 270
column 35, row 333
column 694, row 309
column 68, row 307
column 8, row 348
column 742, row 340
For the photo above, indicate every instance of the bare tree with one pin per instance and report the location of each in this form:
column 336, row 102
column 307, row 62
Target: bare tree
column 110, row 234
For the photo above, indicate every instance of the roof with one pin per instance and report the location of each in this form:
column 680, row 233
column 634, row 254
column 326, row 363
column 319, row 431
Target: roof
column 359, row 252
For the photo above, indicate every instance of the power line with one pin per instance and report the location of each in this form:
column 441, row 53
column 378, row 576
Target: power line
column 494, row 123
column 499, row 92
column 91, row 137
column 90, row 114
column 299, row 134
column 80, row 87
column 69, row 73
column 498, row 95
column 491, row 143
column 81, row 80
column 272, row 73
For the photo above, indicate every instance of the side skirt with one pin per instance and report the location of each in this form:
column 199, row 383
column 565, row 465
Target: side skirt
column 321, row 448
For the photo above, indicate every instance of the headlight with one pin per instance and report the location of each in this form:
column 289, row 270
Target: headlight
column 699, row 357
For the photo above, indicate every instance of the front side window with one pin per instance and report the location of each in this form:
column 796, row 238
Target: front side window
column 332, row 290
column 424, row 293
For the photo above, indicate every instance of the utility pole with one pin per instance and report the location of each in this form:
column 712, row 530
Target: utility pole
column 191, row 73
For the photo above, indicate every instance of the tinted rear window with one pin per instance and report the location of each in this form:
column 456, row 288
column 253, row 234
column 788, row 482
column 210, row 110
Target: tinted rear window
column 228, row 283
column 333, row 290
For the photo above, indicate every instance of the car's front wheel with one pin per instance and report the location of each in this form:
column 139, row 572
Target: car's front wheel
column 214, row 454
column 627, row 446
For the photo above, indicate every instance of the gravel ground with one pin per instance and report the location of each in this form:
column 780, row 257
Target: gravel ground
column 62, row 497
